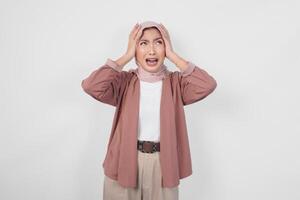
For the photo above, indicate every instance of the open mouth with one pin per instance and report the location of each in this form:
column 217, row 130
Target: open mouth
column 151, row 61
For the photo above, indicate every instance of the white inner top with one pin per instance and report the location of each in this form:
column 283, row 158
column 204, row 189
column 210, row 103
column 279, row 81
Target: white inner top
column 149, row 113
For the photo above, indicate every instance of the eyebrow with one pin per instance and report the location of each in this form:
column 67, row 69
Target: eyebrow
column 153, row 40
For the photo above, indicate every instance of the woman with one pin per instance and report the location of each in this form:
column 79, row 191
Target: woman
column 148, row 150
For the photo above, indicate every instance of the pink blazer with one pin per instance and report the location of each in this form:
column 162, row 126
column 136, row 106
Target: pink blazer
column 111, row 85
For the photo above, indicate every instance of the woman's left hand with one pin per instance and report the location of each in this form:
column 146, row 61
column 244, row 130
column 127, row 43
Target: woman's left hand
column 167, row 40
column 170, row 54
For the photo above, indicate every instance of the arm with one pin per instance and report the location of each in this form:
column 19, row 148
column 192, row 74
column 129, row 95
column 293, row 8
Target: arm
column 195, row 83
column 105, row 84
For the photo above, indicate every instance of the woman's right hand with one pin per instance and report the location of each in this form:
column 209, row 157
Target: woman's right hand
column 130, row 53
column 133, row 37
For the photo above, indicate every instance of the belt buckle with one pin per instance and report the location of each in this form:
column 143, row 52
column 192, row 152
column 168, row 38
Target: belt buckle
column 147, row 147
column 144, row 148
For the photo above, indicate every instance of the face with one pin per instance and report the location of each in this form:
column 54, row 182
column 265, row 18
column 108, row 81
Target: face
column 150, row 50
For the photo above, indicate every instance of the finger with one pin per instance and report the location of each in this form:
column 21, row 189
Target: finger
column 165, row 29
column 137, row 33
column 134, row 28
column 165, row 37
column 162, row 30
column 138, row 28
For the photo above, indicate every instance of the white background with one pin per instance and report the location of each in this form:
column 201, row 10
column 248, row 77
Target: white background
column 244, row 137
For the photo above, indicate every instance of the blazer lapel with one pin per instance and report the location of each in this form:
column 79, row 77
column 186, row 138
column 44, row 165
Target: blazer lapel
column 127, row 170
column 168, row 139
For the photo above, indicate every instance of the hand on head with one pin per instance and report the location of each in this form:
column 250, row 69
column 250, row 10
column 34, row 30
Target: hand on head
column 135, row 35
column 167, row 40
column 133, row 38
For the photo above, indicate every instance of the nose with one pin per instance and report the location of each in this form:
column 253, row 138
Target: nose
column 152, row 50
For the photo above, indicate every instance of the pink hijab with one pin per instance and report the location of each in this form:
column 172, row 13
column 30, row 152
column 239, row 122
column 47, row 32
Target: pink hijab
column 143, row 74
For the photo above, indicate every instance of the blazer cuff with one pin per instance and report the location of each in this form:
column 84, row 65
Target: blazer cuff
column 113, row 64
column 189, row 69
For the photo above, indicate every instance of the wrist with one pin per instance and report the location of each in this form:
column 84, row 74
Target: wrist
column 173, row 57
column 123, row 60
column 180, row 63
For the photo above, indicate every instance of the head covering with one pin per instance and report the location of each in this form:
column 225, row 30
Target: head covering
column 143, row 74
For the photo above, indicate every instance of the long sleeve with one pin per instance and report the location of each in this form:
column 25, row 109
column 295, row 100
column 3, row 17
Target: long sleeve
column 105, row 83
column 195, row 84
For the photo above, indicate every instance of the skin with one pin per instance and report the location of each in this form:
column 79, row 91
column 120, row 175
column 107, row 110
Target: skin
column 153, row 48
column 150, row 45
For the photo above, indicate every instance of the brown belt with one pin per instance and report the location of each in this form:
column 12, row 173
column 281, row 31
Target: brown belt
column 148, row 146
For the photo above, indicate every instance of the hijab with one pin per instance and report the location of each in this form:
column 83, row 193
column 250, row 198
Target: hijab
column 143, row 74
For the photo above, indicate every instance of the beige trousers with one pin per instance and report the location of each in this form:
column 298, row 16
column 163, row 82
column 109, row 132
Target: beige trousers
column 149, row 183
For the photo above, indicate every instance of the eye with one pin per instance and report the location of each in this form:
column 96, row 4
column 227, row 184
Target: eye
column 142, row 43
column 159, row 41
